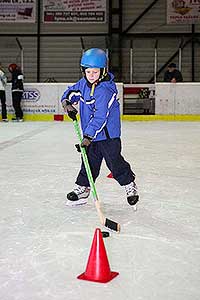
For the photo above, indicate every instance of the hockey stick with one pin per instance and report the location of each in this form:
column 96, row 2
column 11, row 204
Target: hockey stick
column 104, row 221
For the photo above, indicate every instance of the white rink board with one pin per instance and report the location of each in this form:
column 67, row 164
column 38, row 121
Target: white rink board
column 177, row 98
column 44, row 98
column 170, row 99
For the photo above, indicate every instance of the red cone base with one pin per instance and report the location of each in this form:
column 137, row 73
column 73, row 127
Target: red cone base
column 110, row 175
column 98, row 268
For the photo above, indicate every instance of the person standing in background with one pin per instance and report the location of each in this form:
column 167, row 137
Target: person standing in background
column 3, row 82
column 17, row 91
column 172, row 74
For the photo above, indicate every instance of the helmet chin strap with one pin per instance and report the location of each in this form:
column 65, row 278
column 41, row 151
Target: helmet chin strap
column 104, row 73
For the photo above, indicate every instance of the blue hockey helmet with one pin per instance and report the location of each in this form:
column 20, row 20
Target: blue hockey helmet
column 94, row 58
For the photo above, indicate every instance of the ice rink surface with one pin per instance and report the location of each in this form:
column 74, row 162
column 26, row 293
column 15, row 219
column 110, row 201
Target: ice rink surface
column 45, row 244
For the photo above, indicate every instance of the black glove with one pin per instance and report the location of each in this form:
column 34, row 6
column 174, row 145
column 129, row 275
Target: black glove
column 86, row 141
column 69, row 109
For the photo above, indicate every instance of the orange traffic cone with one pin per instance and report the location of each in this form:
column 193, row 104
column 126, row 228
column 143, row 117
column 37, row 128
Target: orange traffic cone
column 110, row 175
column 98, row 268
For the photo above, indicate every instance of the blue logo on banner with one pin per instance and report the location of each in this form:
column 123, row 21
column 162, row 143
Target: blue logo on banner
column 31, row 95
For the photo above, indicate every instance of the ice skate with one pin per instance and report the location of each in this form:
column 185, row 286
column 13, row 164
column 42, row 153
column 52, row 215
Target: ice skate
column 17, row 120
column 78, row 196
column 132, row 194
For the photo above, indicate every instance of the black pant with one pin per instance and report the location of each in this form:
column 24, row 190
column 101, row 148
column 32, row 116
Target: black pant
column 110, row 150
column 16, row 99
column 3, row 104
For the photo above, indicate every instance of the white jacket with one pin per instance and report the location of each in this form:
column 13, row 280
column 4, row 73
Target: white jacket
column 3, row 80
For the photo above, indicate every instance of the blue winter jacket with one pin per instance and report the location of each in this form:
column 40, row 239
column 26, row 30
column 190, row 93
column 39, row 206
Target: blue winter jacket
column 100, row 113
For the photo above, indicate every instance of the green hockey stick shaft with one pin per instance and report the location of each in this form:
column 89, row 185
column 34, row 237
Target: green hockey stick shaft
column 86, row 162
column 104, row 221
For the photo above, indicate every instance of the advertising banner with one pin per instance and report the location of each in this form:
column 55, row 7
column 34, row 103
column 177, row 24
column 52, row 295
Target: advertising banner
column 78, row 11
column 183, row 11
column 17, row 11
column 37, row 99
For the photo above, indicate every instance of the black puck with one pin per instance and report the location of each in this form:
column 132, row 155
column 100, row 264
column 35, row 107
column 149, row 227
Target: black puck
column 105, row 234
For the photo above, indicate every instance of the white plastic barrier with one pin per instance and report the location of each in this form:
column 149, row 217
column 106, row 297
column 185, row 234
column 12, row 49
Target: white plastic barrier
column 177, row 99
column 44, row 98
column 170, row 98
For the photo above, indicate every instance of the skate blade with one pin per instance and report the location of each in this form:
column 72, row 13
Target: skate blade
column 76, row 203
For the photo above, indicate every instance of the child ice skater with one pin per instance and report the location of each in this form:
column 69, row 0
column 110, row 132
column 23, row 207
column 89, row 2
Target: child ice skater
column 96, row 93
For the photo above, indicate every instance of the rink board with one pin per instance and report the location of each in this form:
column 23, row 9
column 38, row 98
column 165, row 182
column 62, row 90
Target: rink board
column 173, row 102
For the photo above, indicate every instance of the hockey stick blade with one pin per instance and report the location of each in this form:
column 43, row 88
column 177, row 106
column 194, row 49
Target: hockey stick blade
column 112, row 225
